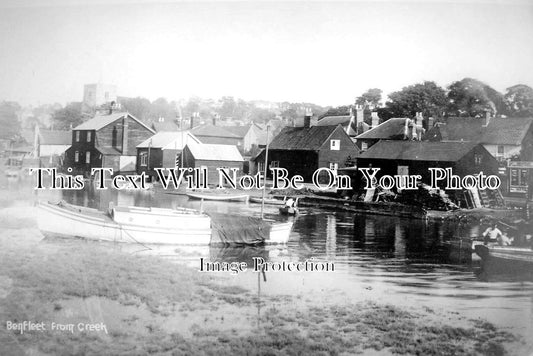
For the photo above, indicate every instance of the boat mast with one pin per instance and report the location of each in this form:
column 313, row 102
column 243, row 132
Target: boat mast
column 265, row 174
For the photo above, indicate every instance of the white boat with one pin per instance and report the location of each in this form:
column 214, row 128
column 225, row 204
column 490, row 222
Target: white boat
column 140, row 225
column 126, row 224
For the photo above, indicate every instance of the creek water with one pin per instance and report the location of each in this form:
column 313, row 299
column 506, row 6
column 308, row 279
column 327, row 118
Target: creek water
column 392, row 260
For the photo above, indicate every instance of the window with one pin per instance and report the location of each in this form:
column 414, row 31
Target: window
column 274, row 164
column 364, row 146
column 177, row 160
column 477, row 159
column 261, row 167
column 77, row 136
column 114, row 137
column 523, row 176
column 76, row 156
column 89, row 134
column 335, row 145
column 333, row 166
column 144, row 159
column 519, row 177
column 88, row 157
column 501, row 150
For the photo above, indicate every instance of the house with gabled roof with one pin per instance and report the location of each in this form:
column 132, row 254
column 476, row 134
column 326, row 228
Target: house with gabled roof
column 509, row 140
column 162, row 150
column 416, row 157
column 212, row 156
column 108, row 141
column 392, row 129
column 50, row 146
column 503, row 137
column 252, row 135
column 217, row 135
column 302, row 150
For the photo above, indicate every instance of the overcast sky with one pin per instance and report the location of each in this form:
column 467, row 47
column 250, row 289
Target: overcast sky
column 322, row 52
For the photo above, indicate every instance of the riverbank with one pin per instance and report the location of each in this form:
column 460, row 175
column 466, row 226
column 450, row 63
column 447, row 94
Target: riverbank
column 151, row 305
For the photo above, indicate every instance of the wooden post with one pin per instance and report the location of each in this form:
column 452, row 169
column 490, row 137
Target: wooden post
column 265, row 175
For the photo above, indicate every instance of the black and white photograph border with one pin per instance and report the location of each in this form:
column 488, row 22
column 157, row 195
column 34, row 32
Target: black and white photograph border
column 266, row 177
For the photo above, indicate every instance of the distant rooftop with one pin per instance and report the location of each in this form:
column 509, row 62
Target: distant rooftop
column 302, row 138
column 49, row 137
column 418, row 151
column 167, row 139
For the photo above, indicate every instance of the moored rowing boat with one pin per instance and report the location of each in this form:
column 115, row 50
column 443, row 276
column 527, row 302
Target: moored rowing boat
column 219, row 197
column 267, row 201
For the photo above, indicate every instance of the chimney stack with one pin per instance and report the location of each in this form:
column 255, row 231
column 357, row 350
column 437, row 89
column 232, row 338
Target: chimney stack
column 307, row 117
column 360, row 114
column 194, row 114
column 351, row 130
column 125, row 135
column 487, row 118
column 375, row 119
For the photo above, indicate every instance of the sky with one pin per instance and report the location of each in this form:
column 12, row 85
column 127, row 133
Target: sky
column 326, row 53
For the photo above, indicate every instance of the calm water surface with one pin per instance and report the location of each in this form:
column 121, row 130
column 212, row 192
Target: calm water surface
column 387, row 259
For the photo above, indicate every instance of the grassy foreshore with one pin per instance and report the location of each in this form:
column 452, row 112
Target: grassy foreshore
column 154, row 306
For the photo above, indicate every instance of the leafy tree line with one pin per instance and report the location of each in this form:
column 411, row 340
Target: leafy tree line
column 226, row 107
column 464, row 98
column 467, row 97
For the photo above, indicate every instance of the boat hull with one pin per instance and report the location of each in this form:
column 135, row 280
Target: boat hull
column 267, row 201
column 69, row 221
column 505, row 258
column 279, row 233
column 288, row 211
column 139, row 225
column 218, row 197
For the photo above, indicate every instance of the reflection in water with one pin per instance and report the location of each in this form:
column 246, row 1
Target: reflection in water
column 391, row 259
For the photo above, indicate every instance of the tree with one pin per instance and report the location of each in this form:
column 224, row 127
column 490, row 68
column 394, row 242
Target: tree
column 519, row 100
column 426, row 97
column 162, row 108
column 259, row 115
column 192, row 106
column 227, row 107
column 470, row 97
column 138, row 107
column 67, row 117
column 370, row 97
column 9, row 120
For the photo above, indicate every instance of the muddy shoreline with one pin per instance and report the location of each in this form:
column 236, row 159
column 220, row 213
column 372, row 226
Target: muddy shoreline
column 151, row 305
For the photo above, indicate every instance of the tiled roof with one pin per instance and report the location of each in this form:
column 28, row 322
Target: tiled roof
column 165, row 126
column 48, row 137
column 210, row 152
column 510, row 131
column 302, row 138
column 240, row 131
column 334, row 120
column 108, row 151
column 418, row 151
column 100, row 121
column 213, row 131
column 500, row 131
column 168, row 139
column 391, row 129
